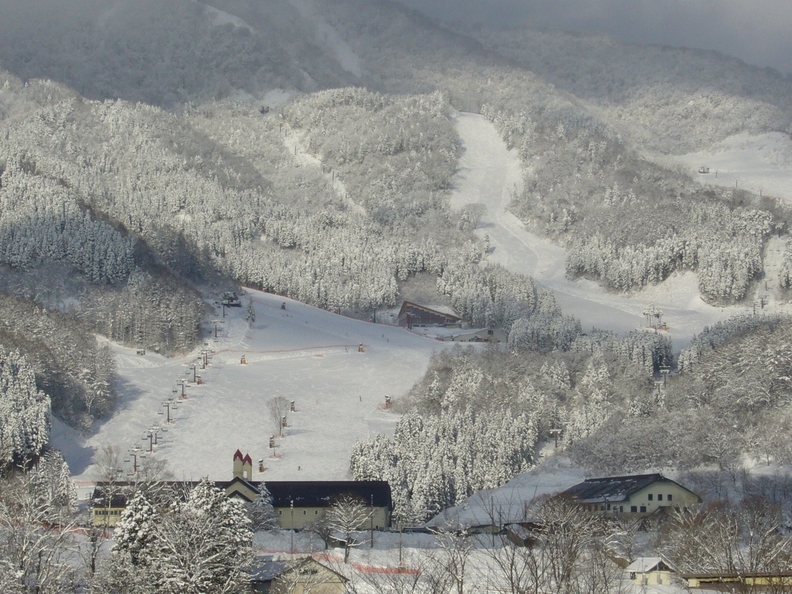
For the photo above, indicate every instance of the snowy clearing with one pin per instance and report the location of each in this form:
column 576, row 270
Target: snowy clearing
column 489, row 173
column 301, row 353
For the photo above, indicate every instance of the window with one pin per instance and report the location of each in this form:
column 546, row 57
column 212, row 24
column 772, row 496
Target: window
column 660, row 497
column 602, row 507
column 633, row 509
column 670, row 497
column 650, row 496
column 643, row 509
column 280, row 512
column 609, row 507
column 621, row 509
column 304, row 512
column 632, row 575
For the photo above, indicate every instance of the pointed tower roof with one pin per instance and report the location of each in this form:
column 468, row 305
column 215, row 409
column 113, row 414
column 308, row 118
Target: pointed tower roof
column 247, row 459
column 238, row 454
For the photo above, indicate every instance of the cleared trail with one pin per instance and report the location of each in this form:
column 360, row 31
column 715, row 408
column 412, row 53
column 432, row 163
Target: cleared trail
column 489, row 174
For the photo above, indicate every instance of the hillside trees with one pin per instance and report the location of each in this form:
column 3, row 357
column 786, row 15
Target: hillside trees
column 735, row 377
column 129, row 50
column 24, row 410
column 69, row 365
column 434, row 462
column 475, row 420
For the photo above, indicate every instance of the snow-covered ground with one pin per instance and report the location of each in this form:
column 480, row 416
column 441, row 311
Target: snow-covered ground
column 507, row 504
column 759, row 163
column 301, row 353
column 489, row 173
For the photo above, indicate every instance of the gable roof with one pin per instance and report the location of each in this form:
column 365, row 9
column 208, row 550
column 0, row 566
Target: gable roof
column 237, row 487
column 647, row 564
column 440, row 310
column 615, row 488
column 323, row 493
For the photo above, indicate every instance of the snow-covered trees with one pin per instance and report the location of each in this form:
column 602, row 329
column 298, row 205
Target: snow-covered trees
column 149, row 311
column 724, row 246
column 433, row 462
column 24, row 410
column 68, row 363
column 262, row 514
column 199, row 543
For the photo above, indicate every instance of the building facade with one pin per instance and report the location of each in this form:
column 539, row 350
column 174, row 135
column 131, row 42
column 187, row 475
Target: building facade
column 633, row 495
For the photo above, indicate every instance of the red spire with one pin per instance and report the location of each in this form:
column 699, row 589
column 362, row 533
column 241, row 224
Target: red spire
column 238, row 454
column 247, row 459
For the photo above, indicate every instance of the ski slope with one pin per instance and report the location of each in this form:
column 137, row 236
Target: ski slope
column 489, row 174
column 759, row 163
column 301, row 353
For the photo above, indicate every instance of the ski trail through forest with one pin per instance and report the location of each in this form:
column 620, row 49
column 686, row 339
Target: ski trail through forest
column 490, row 174
column 302, row 158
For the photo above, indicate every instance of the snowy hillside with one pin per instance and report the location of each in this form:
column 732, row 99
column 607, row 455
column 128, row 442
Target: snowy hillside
column 301, row 353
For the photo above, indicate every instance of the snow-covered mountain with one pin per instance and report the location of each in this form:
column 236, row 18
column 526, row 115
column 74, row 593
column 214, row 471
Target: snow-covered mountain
column 353, row 153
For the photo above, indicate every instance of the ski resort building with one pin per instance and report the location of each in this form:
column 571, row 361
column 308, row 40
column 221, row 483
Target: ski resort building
column 297, row 503
column 412, row 315
column 634, row 495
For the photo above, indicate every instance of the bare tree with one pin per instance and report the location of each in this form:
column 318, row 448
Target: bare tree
column 278, row 407
column 738, row 541
column 347, row 515
column 450, row 561
column 35, row 537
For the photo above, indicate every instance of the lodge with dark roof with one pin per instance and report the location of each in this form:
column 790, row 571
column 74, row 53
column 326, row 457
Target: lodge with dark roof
column 412, row 315
column 297, row 503
column 636, row 495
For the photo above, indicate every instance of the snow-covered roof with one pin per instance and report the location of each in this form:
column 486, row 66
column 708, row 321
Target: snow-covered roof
column 444, row 310
column 647, row 564
column 613, row 488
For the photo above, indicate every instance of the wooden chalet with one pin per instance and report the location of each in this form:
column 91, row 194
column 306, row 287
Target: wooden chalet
column 413, row 315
